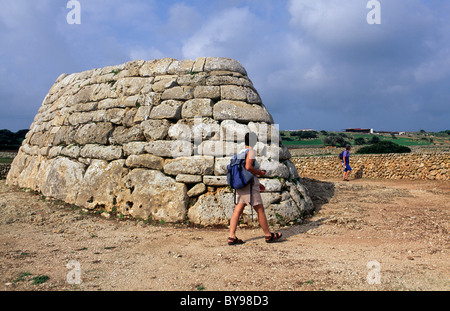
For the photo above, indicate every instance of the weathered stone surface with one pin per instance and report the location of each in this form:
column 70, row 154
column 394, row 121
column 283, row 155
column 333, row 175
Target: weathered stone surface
column 197, row 108
column 169, row 149
column 146, row 161
column 241, row 111
column 216, row 181
column 151, row 194
column 62, row 179
column 94, row 133
column 225, row 64
column 123, row 135
column 219, row 148
column 178, row 93
column 189, row 179
column 207, row 212
column 272, row 185
column 204, row 91
column 155, row 129
column 196, row 165
column 169, row 109
column 197, row 190
column 107, row 153
column 101, row 184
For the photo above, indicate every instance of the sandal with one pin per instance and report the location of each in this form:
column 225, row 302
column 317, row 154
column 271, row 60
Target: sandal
column 235, row 241
column 273, row 238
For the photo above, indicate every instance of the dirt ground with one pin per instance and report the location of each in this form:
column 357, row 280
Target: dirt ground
column 366, row 235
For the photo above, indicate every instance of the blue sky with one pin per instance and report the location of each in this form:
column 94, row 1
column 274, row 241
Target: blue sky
column 316, row 63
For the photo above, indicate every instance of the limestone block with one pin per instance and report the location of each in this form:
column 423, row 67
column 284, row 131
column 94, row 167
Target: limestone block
column 123, row 135
column 286, row 210
column 151, row 194
column 206, row 211
column 164, row 83
column 220, row 165
column 197, row 190
column 231, row 130
column 169, row 149
column 155, row 67
column 216, row 181
column 178, row 93
column 189, row 179
column 71, row 151
column 241, row 111
column 155, row 129
column 272, row 185
column 142, row 114
column 62, row 179
column 94, row 133
column 180, row 131
column 168, row 109
column 101, row 184
column 197, row 108
column 205, row 91
column 107, row 153
column 233, row 92
column 135, row 147
column 273, row 168
column 196, row 165
column 223, row 64
column 145, row 161
column 219, row 148
column 181, row 66
column 192, row 79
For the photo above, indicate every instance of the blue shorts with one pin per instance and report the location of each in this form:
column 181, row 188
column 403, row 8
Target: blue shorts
column 347, row 168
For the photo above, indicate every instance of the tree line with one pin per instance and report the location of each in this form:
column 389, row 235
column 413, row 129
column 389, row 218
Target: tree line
column 10, row 140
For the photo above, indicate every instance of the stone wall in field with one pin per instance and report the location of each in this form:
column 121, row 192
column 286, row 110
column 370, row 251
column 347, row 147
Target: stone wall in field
column 411, row 166
column 4, row 169
column 152, row 139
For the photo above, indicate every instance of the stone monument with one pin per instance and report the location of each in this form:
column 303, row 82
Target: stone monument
column 152, row 139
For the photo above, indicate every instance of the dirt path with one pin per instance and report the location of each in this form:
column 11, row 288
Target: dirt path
column 401, row 227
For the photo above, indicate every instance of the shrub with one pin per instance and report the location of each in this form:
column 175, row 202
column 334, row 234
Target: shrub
column 383, row 147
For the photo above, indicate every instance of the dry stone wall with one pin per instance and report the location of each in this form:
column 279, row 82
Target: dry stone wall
column 411, row 166
column 151, row 139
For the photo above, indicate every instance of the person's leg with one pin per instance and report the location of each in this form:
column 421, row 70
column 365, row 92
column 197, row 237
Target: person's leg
column 262, row 219
column 238, row 209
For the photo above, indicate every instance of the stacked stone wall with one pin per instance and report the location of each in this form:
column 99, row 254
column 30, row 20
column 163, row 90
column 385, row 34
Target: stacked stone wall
column 412, row 166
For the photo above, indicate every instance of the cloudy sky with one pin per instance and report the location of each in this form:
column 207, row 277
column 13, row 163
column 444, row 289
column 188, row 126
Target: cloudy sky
column 316, row 63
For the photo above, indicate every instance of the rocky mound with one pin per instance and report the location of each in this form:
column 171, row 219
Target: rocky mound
column 152, row 139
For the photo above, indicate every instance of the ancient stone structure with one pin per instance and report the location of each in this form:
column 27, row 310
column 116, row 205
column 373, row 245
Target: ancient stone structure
column 151, row 140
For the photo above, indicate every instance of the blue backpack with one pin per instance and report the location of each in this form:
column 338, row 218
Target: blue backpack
column 237, row 176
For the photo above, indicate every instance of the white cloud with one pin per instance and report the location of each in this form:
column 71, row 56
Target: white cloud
column 231, row 34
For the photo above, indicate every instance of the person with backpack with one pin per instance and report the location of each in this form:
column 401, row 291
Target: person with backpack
column 242, row 176
column 345, row 157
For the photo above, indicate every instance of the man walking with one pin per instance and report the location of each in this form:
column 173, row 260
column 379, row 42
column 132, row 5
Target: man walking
column 346, row 162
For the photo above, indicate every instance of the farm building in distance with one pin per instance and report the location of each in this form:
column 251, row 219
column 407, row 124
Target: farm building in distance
column 359, row 130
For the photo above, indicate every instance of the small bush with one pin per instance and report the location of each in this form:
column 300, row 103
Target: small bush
column 383, row 147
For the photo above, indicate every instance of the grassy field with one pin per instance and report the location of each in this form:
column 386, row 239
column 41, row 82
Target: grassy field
column 5, row 160
column 410, row 139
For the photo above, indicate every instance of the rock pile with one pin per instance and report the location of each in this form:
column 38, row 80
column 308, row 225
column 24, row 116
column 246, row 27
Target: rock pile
column 152, row 139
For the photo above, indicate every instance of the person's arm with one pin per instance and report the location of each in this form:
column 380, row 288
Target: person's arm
column 249, row 164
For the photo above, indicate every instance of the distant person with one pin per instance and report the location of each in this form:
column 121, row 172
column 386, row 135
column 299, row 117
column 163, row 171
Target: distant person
column 251, row 195
column 346, row 162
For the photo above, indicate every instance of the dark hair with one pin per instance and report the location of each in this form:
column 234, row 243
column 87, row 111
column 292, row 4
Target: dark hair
column 251, row 139
column 347, row 147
